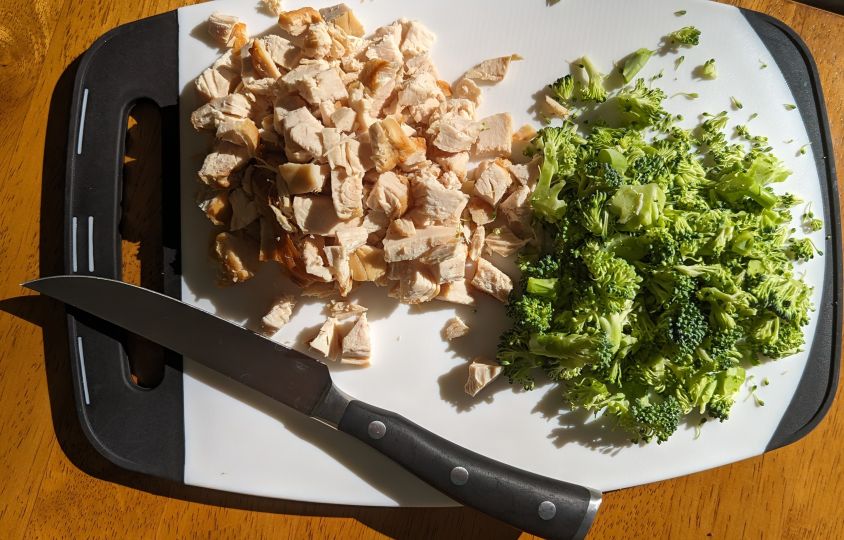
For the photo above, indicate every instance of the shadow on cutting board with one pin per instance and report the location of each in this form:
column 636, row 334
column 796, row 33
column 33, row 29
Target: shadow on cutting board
column 420, row 523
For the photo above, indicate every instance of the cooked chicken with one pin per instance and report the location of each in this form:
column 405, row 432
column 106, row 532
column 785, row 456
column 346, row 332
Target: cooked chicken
column 492, row 70
column 283, row 52
column 278, row 316
column 367, row 264
column 344, row 310
column 416, row 288
column 239, row 131
column 342, row 17
column 467, row 89
column 401, row 228
column 456, row 163
column 216, row 206
column 481, row 211
column 314, row 263
column 356, row 344
column 344, row 154
column 503, row 242
column 303, row 129
column 347, row 194
column 496, row 136
column 302, row 178
column 406, row 249
column 244, row 209
column 454, row 328
column 297, row 21
column 389, row 195
column 218, row 109
column 492, row 183
column 456, row 292
column 524, row 134
column 455, row 133
column 273, row 6
column 352, row 238
column 316, row 215
column 222, row 162
column 344, row 119
column 434, row 204
column 338, row 263
column 236, row 256
column 517, row 210
column 391, row 146
column 221, row 26
column 492, row 281
column 553, row 108
column 215, row 83
column 481, row 373
column 476, row 244
column 417, row 39
column 327, row 341
column 447, row 262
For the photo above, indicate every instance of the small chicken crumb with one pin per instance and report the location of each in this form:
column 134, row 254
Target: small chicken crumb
column 273, row 6
column 455, row 328
column 344, row 310
column 356, row 346
column 481, row 373
column 278, row 316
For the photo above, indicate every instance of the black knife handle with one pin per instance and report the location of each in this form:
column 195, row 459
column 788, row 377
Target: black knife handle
column 533, row 503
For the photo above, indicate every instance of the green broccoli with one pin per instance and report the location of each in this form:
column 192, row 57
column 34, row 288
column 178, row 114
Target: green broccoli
column 640, row 106
column 651, row 421
column 562, row 89
column 634, row 63
column 688, row 35
column 531, row 314
column 708, row 70
column 559, row 149
column 593, row 88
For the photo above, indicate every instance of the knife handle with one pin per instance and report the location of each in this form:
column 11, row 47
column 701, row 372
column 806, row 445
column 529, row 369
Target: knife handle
column 533, row 503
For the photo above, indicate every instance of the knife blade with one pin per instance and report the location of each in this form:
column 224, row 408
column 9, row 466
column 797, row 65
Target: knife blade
column 539, row 505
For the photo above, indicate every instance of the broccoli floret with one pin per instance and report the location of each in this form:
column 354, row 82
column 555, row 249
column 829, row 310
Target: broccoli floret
column 655, row 420
column 641, row 106
column 593, row 89
column 708, row 70
column 546, row 266
column 688, row 35
column 570, row 351
column 562, row 89
column 752, row 182
column 531, row 314
column 559, row 149
column 788, row 298
column 634, row 63
column 809, row 222
column 801, row 249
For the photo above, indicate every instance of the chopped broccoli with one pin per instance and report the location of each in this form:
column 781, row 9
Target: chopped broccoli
column 562, row 90
column 809, row 222
column 680, row 13
column 790, row 106
column 688, row 35
column 708, row 70
column 641, row 106
column 687, row 95
column 679, row 62
column 736, row 103
column 593, row 88
column 634, row 63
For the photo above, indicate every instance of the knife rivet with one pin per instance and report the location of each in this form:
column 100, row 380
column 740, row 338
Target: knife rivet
column 547, row 510
column 376, row 429
column 459, row 476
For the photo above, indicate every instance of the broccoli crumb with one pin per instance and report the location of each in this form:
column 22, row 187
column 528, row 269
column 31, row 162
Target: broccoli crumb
column 736, row 103
column 790, row 106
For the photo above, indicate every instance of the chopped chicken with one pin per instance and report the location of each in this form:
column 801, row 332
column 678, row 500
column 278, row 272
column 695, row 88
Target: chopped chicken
column 342, row 17
column 481, row 373
column 524, row 134
column 283, row 52
column 476, row 244
column 416, row 40
column 456, row 292
column 524, row 173
column 314, row 262
column 273, row 6
column 327, row 341
column 344, row 310
column 389, row 195
column 237, row 258
column 401, row 228
column 503, row 242
column 347, row 194
column 391, row 146
column 492, row 183
column 455, row 328
column 517, row 210
column 455, row 133
column 356, row 347
column 447, row 262
column 412, row 247
column 433, row 204
column 239, row 131
column 303, row 129
column 278, row 316
column 338, row 263
column 300, row 178
column 297, row 21
column 352, row 238
column 492, row 70
column 457, row 163
column 221, row 27
column 416, row 288
column 216, row 207
column 553, row 108
column 496, row 136
column 210, row 114
column 344, row 119
column 215, row 83
column 367, row 264
column 492, row 281
column 244, row 209
column 481, row 211
column 316, row 215
column 467, row 89
column 222, row 162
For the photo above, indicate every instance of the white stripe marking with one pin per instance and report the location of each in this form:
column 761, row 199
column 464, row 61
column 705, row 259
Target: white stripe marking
column 90, row 243
column 82, row 369
column 74, row 227
column 82, row 122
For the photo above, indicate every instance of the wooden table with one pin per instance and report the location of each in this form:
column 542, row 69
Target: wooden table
column 54, row 485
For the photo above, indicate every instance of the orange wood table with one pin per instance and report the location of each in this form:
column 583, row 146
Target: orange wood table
column 54, row 485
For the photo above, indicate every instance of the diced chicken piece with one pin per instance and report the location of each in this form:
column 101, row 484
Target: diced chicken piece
column 273, row 6
column 447, row 262
column 345, row 155
column 330, row 137
column 503, row 242
column 362, row 105
column 433, row 203
column 319, row 289
column 554, row 108
column 312, row 247
column 297, row 21
column 481, row 211
column 283, row 52
column 389, row 195
column 492, row 183
column 476, row 243
column 451, row 181
column 302, row 178
column 456, row 292
column 420, row 95
column 267, row 134
column 327, row 341
column 262, row 62
column 455, row 133
column 367, row 264
column 385, row 47
column 284, row 217
column 222, row 162
column 278, row 316
column 314, row 214
column 326, row 109
column 405, row 249
column 236, row 256
column 492, row 281
column 455, row 328
column 284, row 105
column 456, row 163
column 523, row 172
column 270, row 243
column 215, row 83
column 524, row 134
column 344, row 310
column 401, row 228
column 244, row 209
column 342, row 17
column 352, row 238
column 344, row 119
column 417, row 288
column 356, row 344
column 492, row 70
column 420, row 64
column 467, row 89
column 347, row 194
column 216, row 207
column 417, row 39
column 375, row 222
column 210, row 114
column 239, row 131
column 380, row 76
column 481, row 373
column 316, row 86
column 317, row 41
column 517, row 210
column 496, row 136
column 391, row 146
column 338, row 263
column 302, row 128
column 221, row 27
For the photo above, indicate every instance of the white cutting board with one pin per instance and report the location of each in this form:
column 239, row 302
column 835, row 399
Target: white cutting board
column 237, row 441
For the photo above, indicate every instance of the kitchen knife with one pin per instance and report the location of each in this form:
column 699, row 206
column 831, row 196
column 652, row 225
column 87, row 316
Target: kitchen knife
column 533, row 503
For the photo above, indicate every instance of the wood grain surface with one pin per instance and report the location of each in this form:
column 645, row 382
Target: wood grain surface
column 54, row 485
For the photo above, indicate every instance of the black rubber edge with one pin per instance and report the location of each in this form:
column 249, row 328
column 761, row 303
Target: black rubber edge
column 137, row 429
column 835, row 6
column 817, row 386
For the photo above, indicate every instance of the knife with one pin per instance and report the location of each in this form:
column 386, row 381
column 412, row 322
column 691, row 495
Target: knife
column 528, row 501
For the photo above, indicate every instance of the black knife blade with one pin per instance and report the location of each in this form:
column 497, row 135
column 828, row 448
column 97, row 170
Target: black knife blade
column 536, row 504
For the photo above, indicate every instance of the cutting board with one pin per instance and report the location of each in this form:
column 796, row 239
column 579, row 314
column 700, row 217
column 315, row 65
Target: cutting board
column 200, row 429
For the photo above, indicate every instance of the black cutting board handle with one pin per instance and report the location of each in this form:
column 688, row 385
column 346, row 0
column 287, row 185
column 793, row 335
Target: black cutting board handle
column 138, row 429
